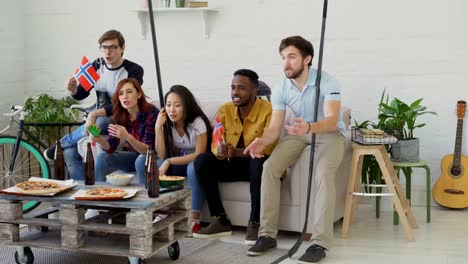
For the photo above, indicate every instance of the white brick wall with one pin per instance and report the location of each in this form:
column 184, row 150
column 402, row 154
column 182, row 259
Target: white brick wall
column 413, row 49
column 13, row 52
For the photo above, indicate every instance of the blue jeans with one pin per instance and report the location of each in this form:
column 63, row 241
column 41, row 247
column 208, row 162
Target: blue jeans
column 198, row 196
column 106, row 163
column 70, row 153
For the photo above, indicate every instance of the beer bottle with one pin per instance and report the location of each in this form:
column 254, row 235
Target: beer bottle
column 152, row 174
column 59, row 162
column 89, row 166
column 146, row 165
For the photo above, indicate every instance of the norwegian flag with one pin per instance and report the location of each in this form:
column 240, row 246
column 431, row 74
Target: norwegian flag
column 86, row 74
column 218, row 132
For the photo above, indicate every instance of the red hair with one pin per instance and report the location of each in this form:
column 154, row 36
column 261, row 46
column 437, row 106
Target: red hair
column 120, row 115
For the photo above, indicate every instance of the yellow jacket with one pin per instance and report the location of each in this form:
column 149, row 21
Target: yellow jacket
column 258, row 119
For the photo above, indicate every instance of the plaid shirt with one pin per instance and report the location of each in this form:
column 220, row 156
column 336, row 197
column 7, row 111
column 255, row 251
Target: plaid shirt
column 142, row 129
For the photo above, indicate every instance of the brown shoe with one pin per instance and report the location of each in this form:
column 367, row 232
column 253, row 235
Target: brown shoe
column 215, row 229
column 252, row 234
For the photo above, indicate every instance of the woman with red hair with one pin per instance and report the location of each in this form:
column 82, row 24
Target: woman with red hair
column 133, row 120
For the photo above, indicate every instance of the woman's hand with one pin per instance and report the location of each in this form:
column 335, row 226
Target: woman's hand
column 162, row 118
column 118, row 131
column 164, row 167
column 99, row 139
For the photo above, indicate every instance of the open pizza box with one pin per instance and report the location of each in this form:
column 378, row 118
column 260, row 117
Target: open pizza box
column 82, row 195
column 64, row 186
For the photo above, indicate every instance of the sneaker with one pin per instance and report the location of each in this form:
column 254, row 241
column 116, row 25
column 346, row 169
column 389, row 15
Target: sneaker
column 49, row 154
column 195, row 227
column 215, row 229
column 314, row 254
column 263, row 245
column 252, row 234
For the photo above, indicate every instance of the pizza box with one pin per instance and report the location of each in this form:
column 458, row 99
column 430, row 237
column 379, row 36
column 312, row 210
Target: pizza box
column 81, row 195
column 67, row 185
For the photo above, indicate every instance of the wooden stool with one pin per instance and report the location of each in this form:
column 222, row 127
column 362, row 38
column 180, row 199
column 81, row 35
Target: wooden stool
column 407, row 173
column 391, row 182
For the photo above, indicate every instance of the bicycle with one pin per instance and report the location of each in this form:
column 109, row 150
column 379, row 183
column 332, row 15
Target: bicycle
column 19, row 158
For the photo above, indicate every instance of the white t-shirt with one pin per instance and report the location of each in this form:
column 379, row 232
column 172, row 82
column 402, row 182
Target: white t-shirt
column 188, row 141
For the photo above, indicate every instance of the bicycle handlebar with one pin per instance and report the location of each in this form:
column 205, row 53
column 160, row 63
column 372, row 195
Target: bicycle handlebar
column 18, row 109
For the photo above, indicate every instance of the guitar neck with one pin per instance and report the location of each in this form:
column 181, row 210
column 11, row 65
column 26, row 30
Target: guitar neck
column 458, row 143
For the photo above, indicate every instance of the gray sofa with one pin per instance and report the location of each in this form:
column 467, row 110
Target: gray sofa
column 236, row 195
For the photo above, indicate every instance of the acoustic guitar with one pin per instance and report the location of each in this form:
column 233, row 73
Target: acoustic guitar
column 451, row 189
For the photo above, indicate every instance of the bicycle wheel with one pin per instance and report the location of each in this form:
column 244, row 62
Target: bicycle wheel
column 28, row 163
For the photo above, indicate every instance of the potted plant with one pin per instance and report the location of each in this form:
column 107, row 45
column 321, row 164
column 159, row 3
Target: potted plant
column 43, row 109
column 399, row 119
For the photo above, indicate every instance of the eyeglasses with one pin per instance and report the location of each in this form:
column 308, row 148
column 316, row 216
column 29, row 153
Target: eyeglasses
column 109, row 48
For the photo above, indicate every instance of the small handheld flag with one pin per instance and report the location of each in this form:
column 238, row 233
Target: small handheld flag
column 86, row 74
column 218, row 132
column 94, row 130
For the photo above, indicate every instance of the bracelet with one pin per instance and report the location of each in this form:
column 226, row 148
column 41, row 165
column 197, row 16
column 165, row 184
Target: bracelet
column 308, row 131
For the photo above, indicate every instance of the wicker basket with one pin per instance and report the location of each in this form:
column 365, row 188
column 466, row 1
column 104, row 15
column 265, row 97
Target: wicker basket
column 370, row 138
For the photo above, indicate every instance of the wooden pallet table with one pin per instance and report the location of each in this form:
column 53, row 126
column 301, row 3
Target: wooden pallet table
column 122, row 228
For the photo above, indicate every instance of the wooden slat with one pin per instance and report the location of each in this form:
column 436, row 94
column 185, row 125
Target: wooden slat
column 185, row 204
column 9, row 233
column 10, row 211
column 72, row 238
column 166, row 234
column 37, row 222
column 141, row 244
column 184, row 225
column 40, row 213
column 171, row 219
column 69, row 216
column 139, row 220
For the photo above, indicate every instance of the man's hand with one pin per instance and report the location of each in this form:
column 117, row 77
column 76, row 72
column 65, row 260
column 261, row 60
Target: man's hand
column 255, row 148
column 300, row 127
column 118, row 131
column 223, row 150
column 71, row 84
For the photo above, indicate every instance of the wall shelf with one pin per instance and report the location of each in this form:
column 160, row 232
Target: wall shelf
column 143, row 16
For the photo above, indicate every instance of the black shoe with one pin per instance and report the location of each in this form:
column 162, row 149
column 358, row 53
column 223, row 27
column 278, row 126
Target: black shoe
column 252, row 234
column 49, row 154
column 263, row 245
column 314, row 254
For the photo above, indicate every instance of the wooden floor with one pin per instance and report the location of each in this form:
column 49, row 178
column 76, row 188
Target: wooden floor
column 371, row 240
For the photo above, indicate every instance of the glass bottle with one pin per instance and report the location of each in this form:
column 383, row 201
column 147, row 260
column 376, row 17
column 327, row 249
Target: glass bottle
column 152, row 174
column 59, row 162
column 146, row 165
column 89, row 166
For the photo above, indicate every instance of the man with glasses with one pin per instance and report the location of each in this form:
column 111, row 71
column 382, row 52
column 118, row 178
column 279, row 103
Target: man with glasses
column 112, row 68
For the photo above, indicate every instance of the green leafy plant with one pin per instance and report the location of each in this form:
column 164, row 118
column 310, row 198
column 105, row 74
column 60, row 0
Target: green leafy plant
column 395, row 118
column 399, row 119
column 44, row 109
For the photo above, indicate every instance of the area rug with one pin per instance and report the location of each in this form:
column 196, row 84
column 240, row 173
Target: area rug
column 191, row 251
